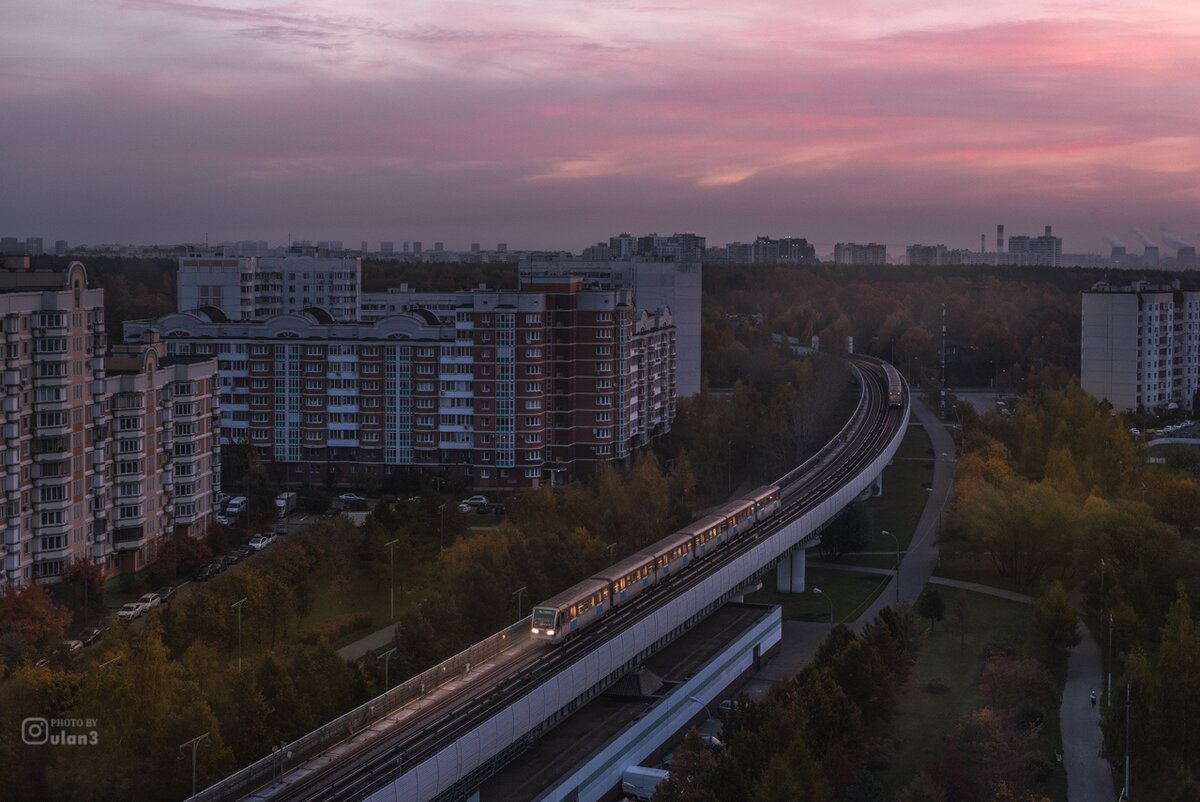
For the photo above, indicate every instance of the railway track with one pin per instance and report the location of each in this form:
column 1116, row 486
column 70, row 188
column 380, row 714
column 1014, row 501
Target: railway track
column 376, row 762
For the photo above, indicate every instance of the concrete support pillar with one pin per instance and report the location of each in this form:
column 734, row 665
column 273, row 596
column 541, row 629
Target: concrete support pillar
column 798, row 563
column 783, row 575
column 877, row 486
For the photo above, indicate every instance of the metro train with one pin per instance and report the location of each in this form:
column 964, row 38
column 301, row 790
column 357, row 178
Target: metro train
column 578, row 607
column 895, row 386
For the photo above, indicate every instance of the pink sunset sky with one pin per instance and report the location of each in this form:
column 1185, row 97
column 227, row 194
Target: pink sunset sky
column 555, row 124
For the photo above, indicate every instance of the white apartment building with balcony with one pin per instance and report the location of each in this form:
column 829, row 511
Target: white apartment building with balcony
column 1140, row 346
column 254, row 288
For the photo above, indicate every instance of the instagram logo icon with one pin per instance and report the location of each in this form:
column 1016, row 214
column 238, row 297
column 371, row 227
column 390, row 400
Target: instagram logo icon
column 35, row 731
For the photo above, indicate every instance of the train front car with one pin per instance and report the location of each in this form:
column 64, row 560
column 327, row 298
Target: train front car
column 575, row 608
column 895, row 386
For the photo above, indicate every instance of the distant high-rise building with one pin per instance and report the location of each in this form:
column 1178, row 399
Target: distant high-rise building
column 416, row 247
column 1185, row 258
column 1118, row 255
column 11, row 245
column 33, row 246
column 502, row 247
column 1150, row 256
column 927, row 255
column 388, row 248
column 474, row 247
column 438, row 247
column 60, row 247
column 851, row 253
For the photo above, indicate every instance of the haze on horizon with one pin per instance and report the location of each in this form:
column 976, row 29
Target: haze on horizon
column 555, row 123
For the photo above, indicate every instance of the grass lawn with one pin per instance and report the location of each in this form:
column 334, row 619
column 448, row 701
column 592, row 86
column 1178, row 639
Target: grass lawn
column 923, row 718
column 849, row 592
column 905, row 493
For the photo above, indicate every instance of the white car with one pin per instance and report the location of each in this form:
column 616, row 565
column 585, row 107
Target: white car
column 350, row 498
column 474, row 502
column 131, row 611
column 149, row 601
column 258, row 543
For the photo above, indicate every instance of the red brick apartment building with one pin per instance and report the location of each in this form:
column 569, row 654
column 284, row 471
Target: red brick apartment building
column 511, row 389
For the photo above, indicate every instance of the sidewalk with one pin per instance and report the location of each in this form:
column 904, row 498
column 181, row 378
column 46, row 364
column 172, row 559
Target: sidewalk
column 1089, row 778
column 933, row 580
column 376, row 639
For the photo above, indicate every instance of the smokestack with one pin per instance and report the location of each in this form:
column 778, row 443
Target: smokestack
column 1000, row 239
column 983, row 243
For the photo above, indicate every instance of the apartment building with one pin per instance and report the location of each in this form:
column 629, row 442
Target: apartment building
column 853, row 253
column 74, row 449
column 1140, row 345
column 511, row 389
column 256, row 287
column 656, row 285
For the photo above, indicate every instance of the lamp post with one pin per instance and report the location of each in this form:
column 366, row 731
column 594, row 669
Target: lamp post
column 386, row 658
column 194, row 744
column 702, row 704
column 820, row 593
column 612, row 547
column 897, row 542
column 441, row 528
column 391, row 547
column 237, row 605
column 519, row 594
column 1108, row 695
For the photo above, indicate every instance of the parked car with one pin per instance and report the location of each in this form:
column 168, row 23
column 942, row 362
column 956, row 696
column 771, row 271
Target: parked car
column 464, row 507
column 474, row 502
column 350, row 498
column 260, row 542
column 235, row 506
column 72, row 646
column 150, row 600
column 204, row 573
column 91, row 635
column 245, row 550
column 131, row 611
column 236, row 556
column 165, row 594
column 223, row 519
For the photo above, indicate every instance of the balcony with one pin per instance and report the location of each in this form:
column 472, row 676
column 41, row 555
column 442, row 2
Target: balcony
column 12, row 536
column 12, row 378
column 11, row 483
column 11, row 404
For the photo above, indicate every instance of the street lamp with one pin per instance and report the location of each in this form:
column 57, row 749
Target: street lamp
column 237, row 605
column 441, row 528
column 819, row 593
column 386, row 658
column 519, row 594
column 194, row 744
column 897, row 542
column 702, row 704
column 612, row 547
column 392, row 570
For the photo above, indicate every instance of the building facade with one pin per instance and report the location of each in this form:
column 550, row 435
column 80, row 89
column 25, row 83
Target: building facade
column 674, row 286
column 851, row 253
column 253, row 288
column 85, row 461
column 511, row 389
column 1140, row 346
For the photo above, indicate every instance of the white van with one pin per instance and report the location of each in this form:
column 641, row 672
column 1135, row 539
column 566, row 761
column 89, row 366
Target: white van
column 235, row 506
column 639, row 782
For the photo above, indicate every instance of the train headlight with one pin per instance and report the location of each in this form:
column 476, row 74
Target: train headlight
column 536, row 631
column 550, row 632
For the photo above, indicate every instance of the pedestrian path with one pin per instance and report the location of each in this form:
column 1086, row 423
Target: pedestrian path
column 1089, row 778
column 363, row 645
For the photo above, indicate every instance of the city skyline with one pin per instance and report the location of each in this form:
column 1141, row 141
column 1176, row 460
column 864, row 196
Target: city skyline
column 548, row 125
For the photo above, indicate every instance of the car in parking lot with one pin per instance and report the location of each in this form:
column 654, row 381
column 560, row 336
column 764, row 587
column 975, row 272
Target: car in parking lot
column 72, row 646
column 204, row 573
column 91, row 635
column 165, row 594
column 223, row 519
column 235, row 556
column 131, row 611
column 150, row 600
column 474, row 502
column 350, row 498
column 261, row 541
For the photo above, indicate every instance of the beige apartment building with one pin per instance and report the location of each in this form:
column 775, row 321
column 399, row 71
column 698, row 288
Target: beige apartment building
column 87, row 467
